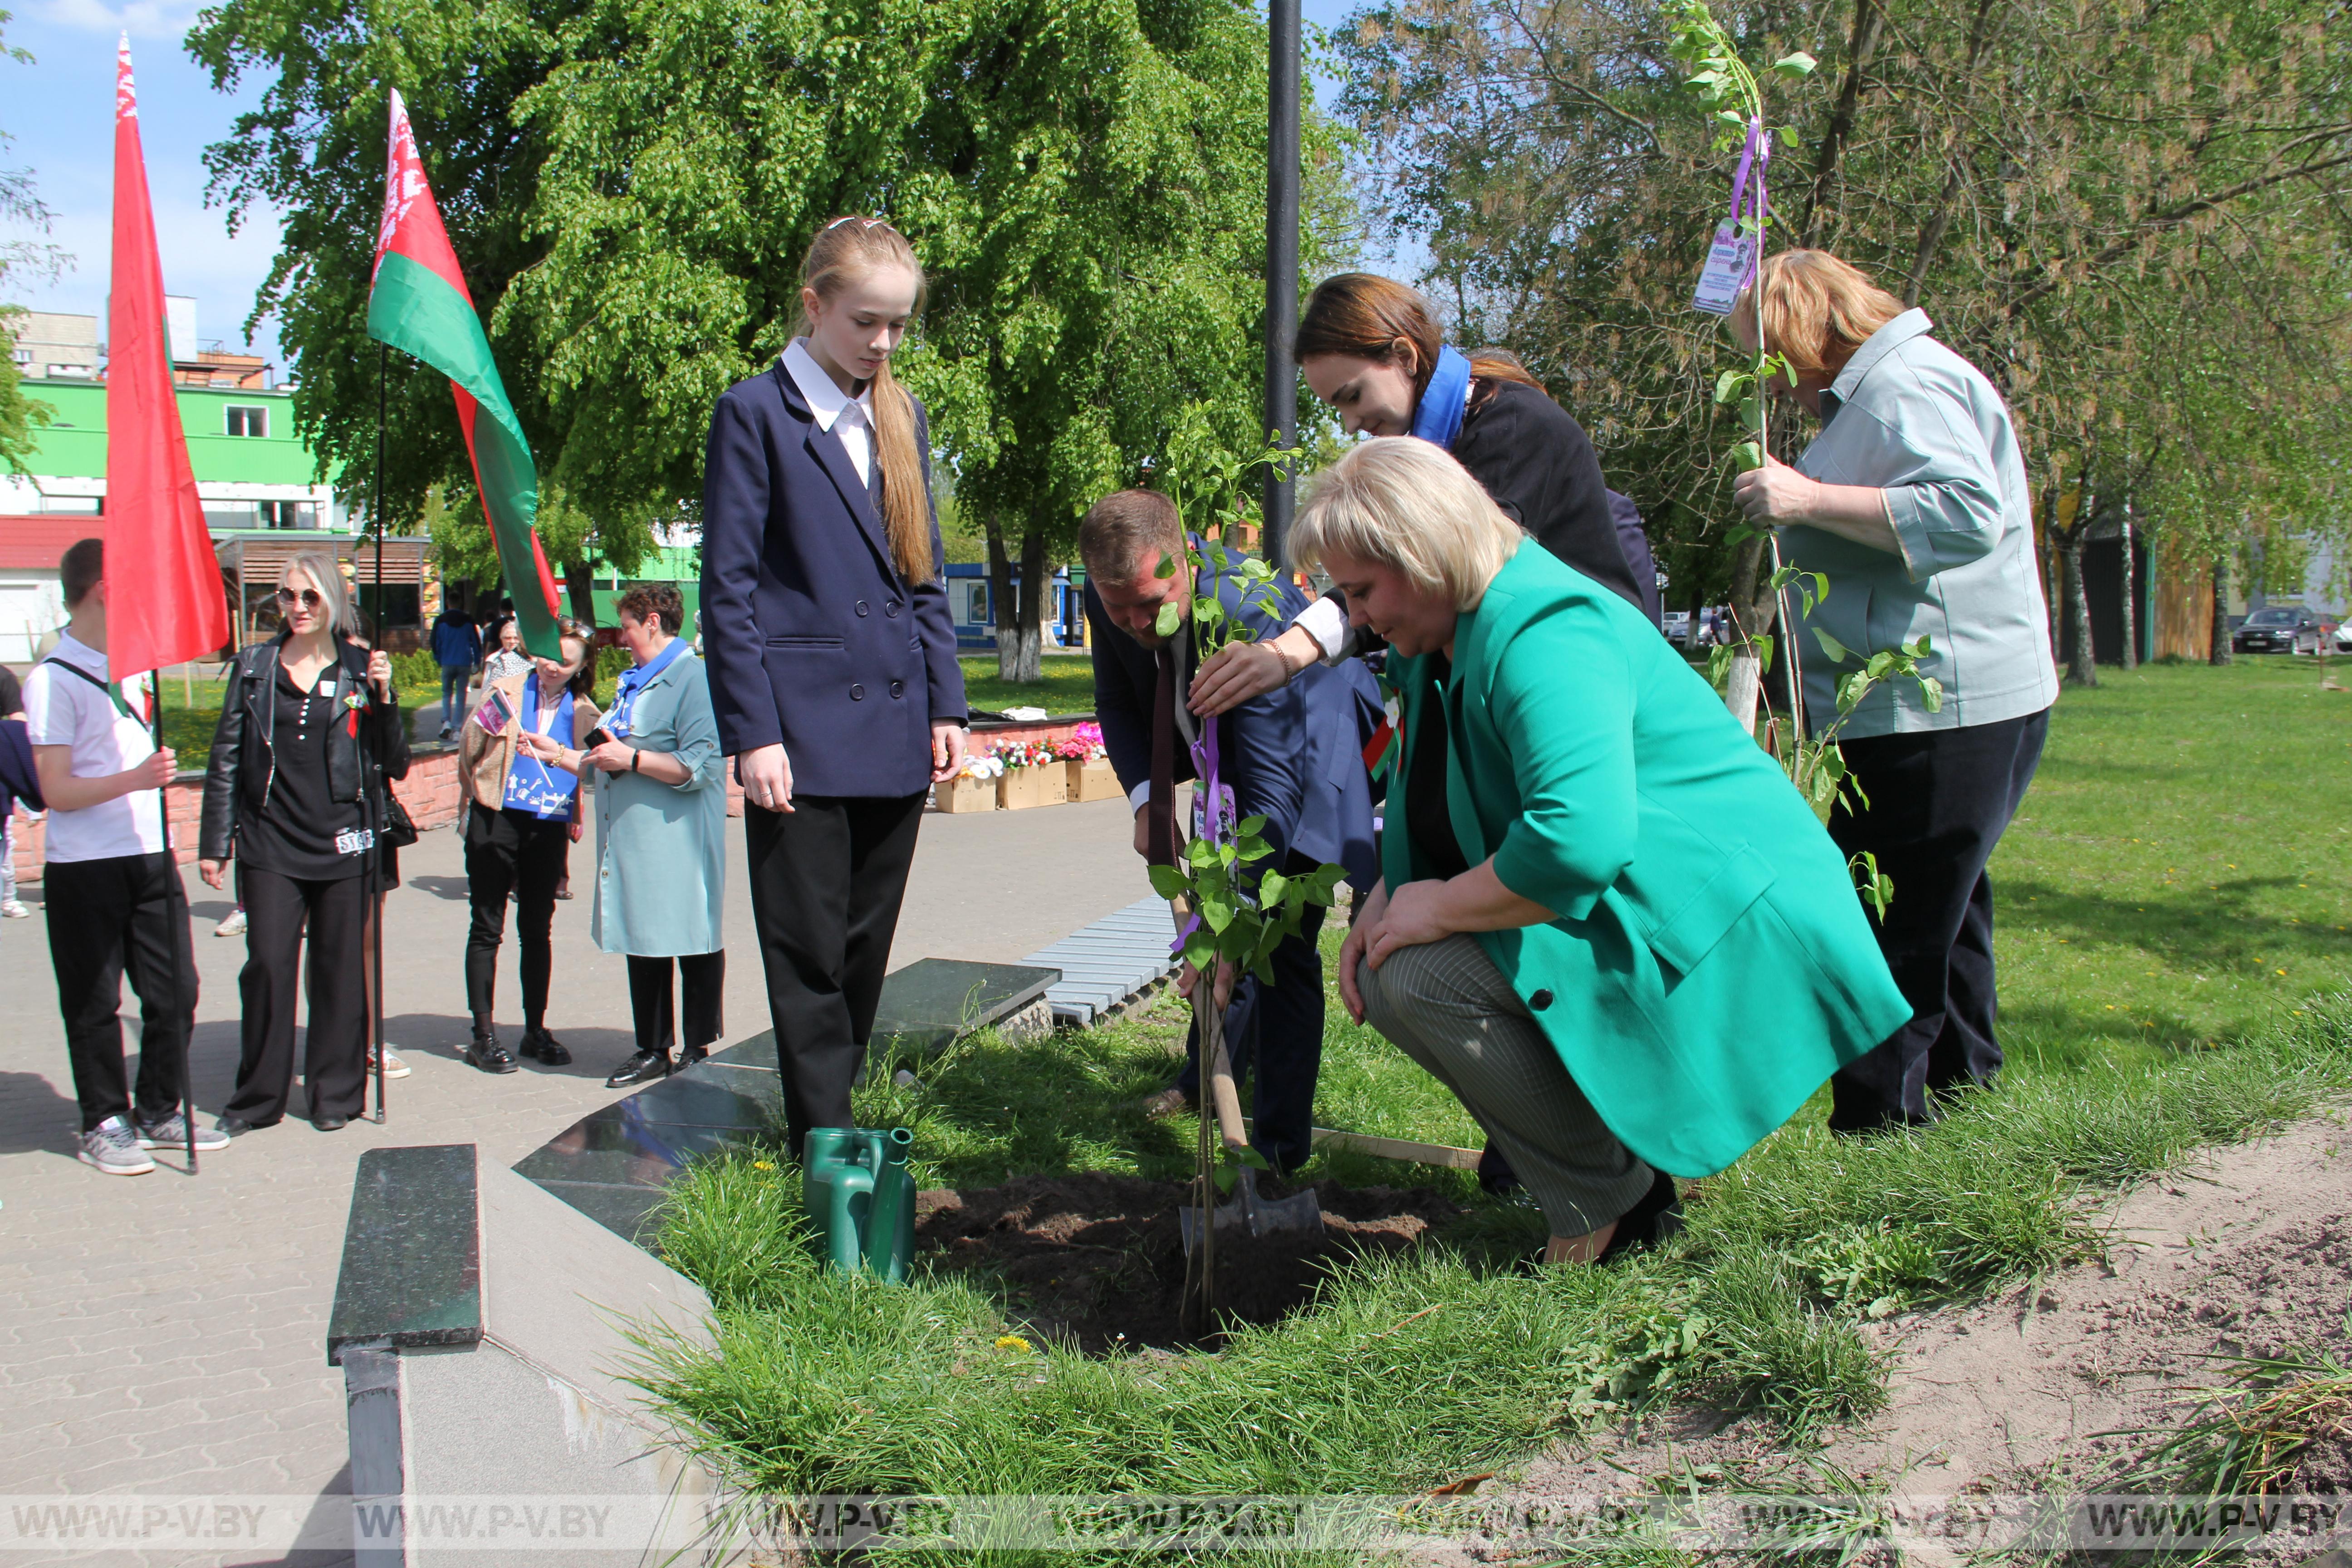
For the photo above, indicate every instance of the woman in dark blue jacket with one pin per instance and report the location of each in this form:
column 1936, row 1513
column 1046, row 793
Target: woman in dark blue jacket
column 831, row 651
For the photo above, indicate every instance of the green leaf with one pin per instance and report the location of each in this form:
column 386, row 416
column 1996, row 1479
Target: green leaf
column 1167, row 567
column 1224, row 1177
column 1171, row 616
column 1764, row 645
column 1745, row 456
column 1216, row 910
column 1794, row 66
column 1727, row 385
column 1751, row 414
column 1250, row 826
column 1788, row 135
column 1255, row 849
column 1199, row 948
column 1252, row 1158
column 1931, row 694
column 1838, row 652
column 1880, row 663
column 1735, row 120
column 1200, row 852
column 1169, row 882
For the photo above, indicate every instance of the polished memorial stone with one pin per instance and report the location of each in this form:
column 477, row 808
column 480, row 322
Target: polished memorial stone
column 412, row 1273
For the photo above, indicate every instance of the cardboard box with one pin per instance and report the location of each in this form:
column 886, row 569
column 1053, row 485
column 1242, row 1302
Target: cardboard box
column 961, row 793
column 1022, row 788
column 1092, row 781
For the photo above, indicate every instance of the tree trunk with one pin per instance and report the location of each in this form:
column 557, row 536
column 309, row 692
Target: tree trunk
column 2050, row 597
column 1029, row 616
column 579, row 588
column 2131, row 599
column 2220, row 653
column 1002, row 611
column 1752, row 615
column 2081, row 668
column 1868, row 19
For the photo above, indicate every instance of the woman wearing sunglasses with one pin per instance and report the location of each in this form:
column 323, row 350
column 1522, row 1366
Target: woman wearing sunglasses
column 307, row 728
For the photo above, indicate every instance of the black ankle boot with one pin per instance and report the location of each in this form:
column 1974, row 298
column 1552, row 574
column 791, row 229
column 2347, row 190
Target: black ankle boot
column 486, row 1054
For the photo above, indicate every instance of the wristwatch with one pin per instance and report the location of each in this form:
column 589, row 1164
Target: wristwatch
column 636, row 756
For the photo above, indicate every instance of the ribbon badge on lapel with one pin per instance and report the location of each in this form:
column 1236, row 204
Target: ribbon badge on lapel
column 352, row 703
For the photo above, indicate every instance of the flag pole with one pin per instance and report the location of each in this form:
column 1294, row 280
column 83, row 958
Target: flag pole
column 179, row 954
column 375, row 809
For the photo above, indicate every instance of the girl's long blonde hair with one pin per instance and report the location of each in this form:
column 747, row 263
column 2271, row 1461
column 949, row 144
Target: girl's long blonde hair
column 849, row 249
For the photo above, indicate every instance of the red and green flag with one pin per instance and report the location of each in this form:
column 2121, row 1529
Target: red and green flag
column 419, row 305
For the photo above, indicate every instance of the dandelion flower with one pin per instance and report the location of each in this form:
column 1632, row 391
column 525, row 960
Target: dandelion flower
column 763, row 1164
column 1013, row 1342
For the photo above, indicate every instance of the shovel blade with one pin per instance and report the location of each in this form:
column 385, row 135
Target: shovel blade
column 1300, row 1213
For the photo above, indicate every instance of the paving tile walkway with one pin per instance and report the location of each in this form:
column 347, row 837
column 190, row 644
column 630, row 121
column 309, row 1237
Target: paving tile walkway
column 166, row 1335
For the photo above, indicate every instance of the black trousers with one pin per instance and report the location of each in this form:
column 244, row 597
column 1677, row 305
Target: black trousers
column 127, row 915
column 334, row 1052
column 1277, row 1029
column 704, row 977
column 827, row 879
column 1938, row 803
column 512, row 853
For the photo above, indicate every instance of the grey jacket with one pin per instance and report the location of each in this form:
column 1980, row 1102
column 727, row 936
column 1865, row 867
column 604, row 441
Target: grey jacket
column 1912, row 419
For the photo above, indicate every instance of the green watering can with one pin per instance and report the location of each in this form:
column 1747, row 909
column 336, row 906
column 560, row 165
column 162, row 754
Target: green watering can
column 860, row 1199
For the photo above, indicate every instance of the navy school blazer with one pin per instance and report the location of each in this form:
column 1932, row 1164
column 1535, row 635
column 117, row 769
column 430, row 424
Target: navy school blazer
column 812, row 638
column 1294, row 754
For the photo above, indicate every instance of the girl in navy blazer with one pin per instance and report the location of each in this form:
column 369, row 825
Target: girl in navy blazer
column 831, row 651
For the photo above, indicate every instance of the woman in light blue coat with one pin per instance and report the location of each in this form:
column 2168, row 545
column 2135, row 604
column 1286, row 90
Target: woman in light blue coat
column 661, row 835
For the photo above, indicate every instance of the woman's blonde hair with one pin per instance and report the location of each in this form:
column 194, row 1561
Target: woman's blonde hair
column 846, row 249
column 1817, row 309
column 326, row 574
column 1405, row 503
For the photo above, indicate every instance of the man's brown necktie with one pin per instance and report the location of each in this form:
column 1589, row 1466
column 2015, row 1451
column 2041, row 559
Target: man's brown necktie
column 1160, row 811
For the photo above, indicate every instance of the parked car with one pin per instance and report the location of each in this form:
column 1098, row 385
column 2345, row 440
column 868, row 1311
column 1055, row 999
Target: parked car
column 2344, row 638
column 2278, row 629
column 1677, row 626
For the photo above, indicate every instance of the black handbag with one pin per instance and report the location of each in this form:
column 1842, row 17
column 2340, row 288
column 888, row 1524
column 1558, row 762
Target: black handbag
column 399, row 828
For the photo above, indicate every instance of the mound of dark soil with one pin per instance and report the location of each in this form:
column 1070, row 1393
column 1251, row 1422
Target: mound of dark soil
column 1098, row 1260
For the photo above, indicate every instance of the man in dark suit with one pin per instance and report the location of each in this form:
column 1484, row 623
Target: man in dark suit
column 1293, row 754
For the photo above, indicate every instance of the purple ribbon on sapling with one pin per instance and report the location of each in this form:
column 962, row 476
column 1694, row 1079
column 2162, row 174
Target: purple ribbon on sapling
column 1214, row 810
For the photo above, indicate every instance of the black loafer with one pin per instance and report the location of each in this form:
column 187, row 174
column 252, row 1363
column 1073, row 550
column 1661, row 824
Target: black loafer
column 332, row 1124
column 541, row 1047
column 486, row 1054
column 1648, row 1223
column 643, row 1068
column 691, row 1055
column 237, row 1126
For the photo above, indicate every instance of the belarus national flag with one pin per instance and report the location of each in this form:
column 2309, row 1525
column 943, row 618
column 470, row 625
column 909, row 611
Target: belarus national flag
column 419, row 305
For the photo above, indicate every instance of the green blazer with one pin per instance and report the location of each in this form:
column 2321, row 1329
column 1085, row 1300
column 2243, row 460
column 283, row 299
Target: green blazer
column 1711, row 964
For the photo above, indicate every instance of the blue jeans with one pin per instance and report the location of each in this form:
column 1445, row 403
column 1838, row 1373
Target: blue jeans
column 453, row 678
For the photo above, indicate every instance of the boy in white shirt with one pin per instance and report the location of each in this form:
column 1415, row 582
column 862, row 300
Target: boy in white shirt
column 112, row 891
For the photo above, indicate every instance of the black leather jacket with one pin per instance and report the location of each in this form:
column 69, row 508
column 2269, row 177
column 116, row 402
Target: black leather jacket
column 244, row 763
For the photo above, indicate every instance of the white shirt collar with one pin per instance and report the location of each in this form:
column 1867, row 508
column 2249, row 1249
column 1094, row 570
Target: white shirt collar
column 73, row 650
column 826, row 400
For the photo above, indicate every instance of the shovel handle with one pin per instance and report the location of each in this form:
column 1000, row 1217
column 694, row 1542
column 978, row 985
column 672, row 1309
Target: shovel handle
column 1221, row 1093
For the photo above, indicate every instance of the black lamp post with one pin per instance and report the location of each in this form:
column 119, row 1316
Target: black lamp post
column 1281, row 260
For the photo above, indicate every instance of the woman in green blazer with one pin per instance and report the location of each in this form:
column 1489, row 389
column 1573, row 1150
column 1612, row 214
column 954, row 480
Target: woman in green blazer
column 1606, row 919
column 661, row 835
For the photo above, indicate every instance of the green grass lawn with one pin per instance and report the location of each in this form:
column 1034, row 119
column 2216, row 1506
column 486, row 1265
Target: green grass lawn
column 2176, row 972
column 1069, row 686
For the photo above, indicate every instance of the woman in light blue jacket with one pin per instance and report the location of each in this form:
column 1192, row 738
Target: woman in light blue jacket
column 1913, row 502
column 661, row 835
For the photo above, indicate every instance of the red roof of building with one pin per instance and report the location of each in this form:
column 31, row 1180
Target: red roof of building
column 38, row 543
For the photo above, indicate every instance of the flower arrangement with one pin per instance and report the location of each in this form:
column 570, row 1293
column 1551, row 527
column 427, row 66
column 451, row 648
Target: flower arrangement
column 1022, row 754
column 1084, row 744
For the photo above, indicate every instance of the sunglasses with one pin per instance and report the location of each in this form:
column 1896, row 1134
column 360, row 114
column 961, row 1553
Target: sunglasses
column 308, row 598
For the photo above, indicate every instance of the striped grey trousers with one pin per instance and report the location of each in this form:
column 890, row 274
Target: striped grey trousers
column 1447, row 1006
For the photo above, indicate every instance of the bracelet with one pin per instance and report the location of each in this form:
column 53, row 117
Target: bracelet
column 636, row 756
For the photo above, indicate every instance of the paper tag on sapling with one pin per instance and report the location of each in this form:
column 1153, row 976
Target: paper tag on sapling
column 1730, row 260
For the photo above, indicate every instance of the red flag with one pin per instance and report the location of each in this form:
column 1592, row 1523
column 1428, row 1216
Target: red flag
column 163, row 598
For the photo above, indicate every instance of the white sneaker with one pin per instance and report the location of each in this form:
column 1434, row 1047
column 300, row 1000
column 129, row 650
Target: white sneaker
column 393, row 1066
column 233, row 926
column 111, row 1147
column 13, row 910
column 171, row 1132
